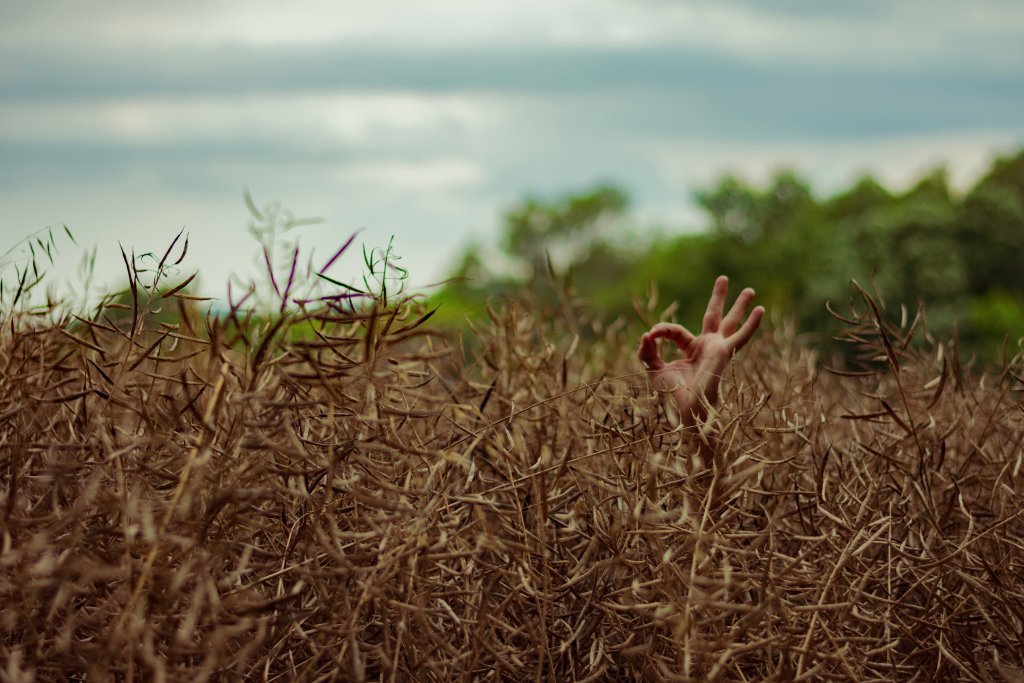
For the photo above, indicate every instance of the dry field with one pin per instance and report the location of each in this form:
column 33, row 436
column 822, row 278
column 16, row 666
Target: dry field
column 347, row 494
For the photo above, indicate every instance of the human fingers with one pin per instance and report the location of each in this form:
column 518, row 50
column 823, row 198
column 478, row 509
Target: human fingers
column 716, row 303
column 648, row 352
column 732, row 319
column 743, row 335
column 678, row 334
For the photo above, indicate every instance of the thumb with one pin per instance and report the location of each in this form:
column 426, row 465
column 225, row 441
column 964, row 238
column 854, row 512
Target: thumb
column 648, row 353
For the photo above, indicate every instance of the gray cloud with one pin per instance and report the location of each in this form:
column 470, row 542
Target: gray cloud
column 430, row 130
column 659, row 91
column 240, row 70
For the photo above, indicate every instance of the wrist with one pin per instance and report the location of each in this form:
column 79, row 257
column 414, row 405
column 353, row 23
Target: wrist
column 688, row 407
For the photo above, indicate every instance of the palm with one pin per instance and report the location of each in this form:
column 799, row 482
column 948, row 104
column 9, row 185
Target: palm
column 702, row 363
column 693, row 379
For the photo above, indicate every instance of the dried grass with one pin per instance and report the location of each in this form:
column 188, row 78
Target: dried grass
column 227, row 498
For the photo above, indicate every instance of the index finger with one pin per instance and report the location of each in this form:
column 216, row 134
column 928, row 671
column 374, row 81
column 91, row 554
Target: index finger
column 679, row 335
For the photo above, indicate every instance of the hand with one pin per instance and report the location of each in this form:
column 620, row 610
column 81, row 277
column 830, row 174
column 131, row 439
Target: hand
column 695, row 377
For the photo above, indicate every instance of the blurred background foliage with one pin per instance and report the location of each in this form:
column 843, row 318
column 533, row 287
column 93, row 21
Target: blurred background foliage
column 959, row 253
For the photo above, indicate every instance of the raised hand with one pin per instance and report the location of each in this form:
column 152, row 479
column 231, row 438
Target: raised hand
column 695, row 377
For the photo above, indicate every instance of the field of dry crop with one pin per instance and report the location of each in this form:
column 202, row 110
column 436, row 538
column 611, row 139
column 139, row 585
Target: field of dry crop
column 344, row 493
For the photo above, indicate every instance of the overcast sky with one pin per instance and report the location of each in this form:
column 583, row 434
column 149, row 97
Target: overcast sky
column 423, row 119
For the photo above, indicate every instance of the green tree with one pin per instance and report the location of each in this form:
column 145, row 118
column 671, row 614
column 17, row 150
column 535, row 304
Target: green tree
column 538, row 231
column 960, row 255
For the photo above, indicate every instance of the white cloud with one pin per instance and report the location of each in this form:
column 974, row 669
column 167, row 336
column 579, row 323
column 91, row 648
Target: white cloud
column 396, row 176
column 435, row 164
column 833, row 163
column 312, row 118
column 914, row 31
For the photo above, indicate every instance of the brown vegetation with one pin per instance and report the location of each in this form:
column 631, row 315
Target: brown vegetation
column 340, row 494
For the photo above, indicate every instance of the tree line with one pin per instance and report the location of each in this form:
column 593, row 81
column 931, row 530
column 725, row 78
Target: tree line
column 958, row 253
